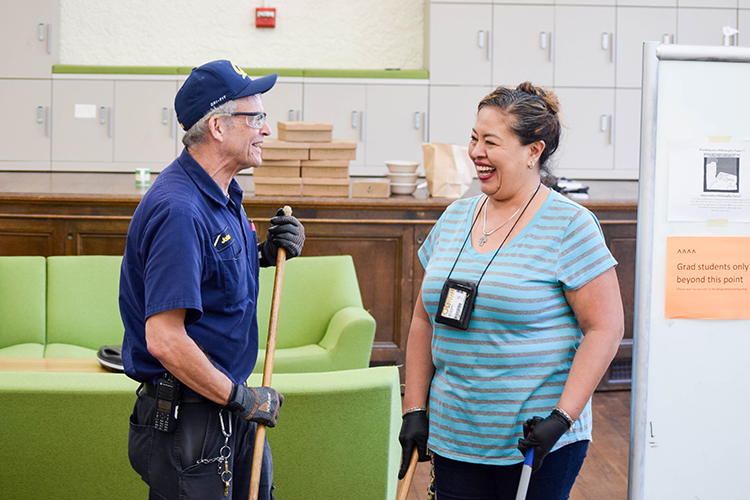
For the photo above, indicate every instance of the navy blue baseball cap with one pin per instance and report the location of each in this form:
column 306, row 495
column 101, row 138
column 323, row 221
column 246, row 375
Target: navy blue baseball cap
column 212, row 85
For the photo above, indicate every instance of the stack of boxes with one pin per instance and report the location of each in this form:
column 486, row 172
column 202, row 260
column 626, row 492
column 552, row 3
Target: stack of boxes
column 305, row 160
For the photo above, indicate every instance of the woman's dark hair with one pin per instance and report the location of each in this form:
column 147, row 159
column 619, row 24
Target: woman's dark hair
column 533, row 112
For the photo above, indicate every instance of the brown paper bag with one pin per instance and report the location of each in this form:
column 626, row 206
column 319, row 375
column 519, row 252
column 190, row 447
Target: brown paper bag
column 448, row 169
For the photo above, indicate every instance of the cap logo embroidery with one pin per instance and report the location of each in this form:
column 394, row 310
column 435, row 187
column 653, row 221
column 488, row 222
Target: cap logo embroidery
column 239, row 71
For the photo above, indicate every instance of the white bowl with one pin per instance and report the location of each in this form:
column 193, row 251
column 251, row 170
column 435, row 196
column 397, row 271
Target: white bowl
column 399, row 178
column 403, row 188
column 402, row 167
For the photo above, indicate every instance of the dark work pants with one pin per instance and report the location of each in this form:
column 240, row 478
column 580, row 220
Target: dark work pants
column 467, row 481
column 168, row 462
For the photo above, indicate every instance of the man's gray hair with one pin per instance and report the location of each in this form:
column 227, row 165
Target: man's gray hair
column 197, row 133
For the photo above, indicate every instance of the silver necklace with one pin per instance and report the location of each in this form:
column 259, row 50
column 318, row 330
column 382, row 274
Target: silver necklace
column 483, row 238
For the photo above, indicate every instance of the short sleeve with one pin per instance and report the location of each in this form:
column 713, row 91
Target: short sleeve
column 583, row 253
column 428, row 247
column 172, row 252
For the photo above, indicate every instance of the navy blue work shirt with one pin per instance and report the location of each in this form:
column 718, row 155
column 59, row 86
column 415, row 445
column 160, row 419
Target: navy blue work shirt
column 190, row 246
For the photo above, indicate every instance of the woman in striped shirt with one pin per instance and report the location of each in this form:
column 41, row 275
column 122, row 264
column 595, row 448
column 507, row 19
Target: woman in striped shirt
column 518, row 319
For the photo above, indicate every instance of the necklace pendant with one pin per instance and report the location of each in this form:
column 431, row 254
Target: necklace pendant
column 482, row 240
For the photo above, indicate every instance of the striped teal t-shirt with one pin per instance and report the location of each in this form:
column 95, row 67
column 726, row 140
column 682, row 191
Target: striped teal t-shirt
column 513, row 361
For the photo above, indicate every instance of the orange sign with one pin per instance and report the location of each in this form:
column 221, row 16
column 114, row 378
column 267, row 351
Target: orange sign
column 708, row 277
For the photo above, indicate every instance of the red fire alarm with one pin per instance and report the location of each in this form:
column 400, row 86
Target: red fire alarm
column 265, row 17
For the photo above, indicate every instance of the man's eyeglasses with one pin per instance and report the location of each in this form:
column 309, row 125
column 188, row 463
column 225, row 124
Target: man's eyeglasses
column 254, row 120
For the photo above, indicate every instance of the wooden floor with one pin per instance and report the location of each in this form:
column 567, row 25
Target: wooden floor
column 605, row 472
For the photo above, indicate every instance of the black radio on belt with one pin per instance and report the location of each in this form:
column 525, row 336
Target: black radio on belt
column 167, row 403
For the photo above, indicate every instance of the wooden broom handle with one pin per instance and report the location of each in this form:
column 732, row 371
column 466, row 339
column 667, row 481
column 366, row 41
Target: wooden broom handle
column 260, row 433
column 406, row 484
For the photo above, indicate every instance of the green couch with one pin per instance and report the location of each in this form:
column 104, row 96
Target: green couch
column 64, row 435
column 66, row 307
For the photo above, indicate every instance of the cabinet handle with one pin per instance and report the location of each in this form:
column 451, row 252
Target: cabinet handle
column 49, row 39
column 417, row 120
column 605, row 41
column 48, row 112
column 481, row 39
column 165, row 116
column 290, row 115
column 110, row 129
column 103, row 115
column 489, row 46
column 543, row 40
column 424, row 127
column 665, row 38
column 551, row 47
column 606, row 124
column 40, row 114
column 355, row 121
column 41, row 32
column 362, row 126
column 608, row 43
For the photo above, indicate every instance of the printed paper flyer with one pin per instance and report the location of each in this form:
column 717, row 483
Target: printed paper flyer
column 708, row 180
column 708, row 277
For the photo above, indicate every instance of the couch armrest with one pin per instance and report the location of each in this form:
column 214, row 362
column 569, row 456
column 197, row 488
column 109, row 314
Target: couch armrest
column 349, row 337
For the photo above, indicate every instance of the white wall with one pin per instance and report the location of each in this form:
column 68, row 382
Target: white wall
column 340, row 34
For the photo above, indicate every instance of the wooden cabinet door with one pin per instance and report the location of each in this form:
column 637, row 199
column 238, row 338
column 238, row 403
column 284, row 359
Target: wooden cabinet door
column 460, row 44
column 587, row 143
column 26, row 128
column 145, row 124
column 523, row 45
column 82, row 124
column 396, row 125
column 635, row 26
column 29, row 37
column 343, row 105
column 585, row 46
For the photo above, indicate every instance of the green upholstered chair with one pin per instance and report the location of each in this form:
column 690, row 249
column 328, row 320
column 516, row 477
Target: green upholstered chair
column 22, row 317
column 82, row 305
column 66, row 435
column 322, row 323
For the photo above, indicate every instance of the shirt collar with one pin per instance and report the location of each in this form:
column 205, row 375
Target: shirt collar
column 206, row 183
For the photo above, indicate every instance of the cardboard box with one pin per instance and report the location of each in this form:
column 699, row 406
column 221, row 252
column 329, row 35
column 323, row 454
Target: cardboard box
column 278, row 168
column 274, row 149
column 305, row 131
column 337, row 149
column 278, row 186
column 316, row 186
column 380, row 188
column 330, row 169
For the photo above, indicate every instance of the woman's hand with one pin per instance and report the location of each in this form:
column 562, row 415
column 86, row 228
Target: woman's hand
column 415, row 429
column 542, row 434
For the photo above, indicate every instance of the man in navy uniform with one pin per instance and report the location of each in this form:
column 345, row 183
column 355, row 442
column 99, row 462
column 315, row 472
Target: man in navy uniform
column 188, row 295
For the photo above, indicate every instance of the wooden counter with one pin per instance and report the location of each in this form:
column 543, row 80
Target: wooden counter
column 88, row 214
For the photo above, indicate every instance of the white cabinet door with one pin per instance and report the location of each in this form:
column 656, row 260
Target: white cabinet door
column 460, row 44
column 26, row 128
column 344, row 106
column 587, row 145
column 584, row 46
column 523, row 45
column 82, row 124
column 453, row 112
column 704, row 26
column 29, row 35
column 145, row 123
column 283, row 103
column 743, row 24
column 585, row 2
column 627, row 132
column 396, row 127
column 724, row 4
column 635, row 26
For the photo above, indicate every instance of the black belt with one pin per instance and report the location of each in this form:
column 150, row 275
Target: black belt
column 150, row 391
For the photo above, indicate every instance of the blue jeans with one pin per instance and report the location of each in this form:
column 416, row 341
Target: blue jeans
column 456, row 480
column 169, row 462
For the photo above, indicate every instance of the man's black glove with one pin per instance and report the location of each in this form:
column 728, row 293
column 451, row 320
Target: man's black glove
column 542, row 434
column 285, row 232
column 257, row 404
column 415, row 429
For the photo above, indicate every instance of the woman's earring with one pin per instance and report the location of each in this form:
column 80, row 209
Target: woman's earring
column 532, row 164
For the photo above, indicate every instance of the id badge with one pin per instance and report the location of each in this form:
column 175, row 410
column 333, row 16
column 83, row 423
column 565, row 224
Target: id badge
column 456, row 303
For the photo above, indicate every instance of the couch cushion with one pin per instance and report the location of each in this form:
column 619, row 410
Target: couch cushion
column 22, row 290
column 23, row 351
column 69, row 351
column 82, row 301
column 314, row 289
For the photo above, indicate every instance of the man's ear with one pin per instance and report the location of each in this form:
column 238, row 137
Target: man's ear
column 217, row 127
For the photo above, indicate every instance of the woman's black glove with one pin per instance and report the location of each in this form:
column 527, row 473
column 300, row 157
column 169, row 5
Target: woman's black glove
column 415, row 429
column 542, row 434
column 285, row 232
